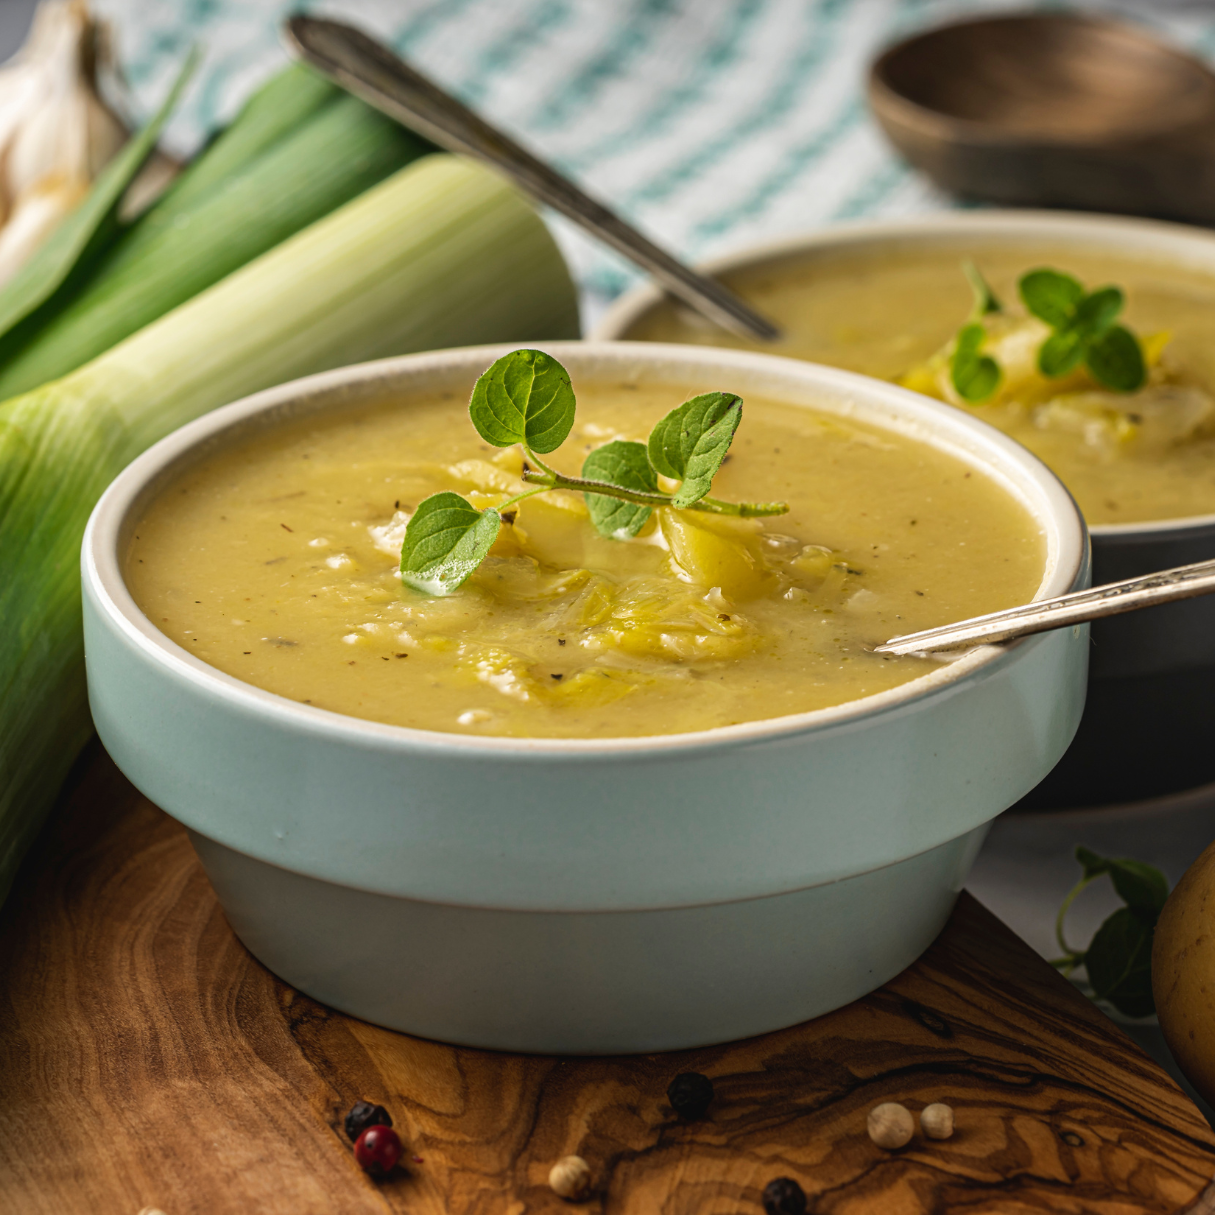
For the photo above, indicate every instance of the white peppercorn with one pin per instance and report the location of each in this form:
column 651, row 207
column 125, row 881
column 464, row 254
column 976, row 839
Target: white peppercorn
column 570, row 1177
column 891, row 1125
column 936, row 1121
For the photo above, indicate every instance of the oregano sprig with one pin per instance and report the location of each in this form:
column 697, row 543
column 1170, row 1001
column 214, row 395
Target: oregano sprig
column 526, row 398
column 1118, row 960
column 985, row 300
column 1085, row 330
column 975, row 376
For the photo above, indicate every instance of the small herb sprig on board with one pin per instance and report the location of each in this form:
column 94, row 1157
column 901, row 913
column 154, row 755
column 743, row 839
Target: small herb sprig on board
column 526, row 398
column 1084, row 331
column 1118, row 960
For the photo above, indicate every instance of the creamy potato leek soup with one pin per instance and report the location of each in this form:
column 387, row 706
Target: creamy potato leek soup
column 1130, row 448
column 279, row 561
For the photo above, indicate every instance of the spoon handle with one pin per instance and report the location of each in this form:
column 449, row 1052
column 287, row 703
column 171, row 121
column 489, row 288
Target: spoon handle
column 1184, row 582
column 371, row 71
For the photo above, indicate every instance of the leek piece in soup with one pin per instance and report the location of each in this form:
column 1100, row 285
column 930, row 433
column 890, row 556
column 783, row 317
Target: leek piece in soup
column 276, row 561
column 1127, row 457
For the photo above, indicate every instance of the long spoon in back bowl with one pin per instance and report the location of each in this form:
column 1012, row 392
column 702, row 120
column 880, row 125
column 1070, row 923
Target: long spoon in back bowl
column 1183, row 582
column 371, row 71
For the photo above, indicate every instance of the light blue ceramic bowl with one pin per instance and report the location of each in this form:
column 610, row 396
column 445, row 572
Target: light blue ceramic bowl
column 597, row 896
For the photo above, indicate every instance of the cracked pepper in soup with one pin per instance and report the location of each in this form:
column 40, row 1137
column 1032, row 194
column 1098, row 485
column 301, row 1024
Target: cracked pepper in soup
column 277, row 561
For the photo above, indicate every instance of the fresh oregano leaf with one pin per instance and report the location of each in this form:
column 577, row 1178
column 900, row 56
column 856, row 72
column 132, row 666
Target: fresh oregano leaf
column 1061, row 353
column 974, row 376
column 1092, row 864
column 1119, row 963
column 1119, row 958
column 691, row 442
column 1098, row 310
column 445, row 541
column 627, row 465
column 1141, row 886
column 1115, row 359
column 707, row 457
column 525, row 397
column 985, row 301
column 1051, row 296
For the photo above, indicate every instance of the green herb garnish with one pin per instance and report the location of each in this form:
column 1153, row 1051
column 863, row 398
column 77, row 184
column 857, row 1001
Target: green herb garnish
column 985, row 301
column 1085, row 330
column 974, row 375
column 526, row 398
column 1118, row 960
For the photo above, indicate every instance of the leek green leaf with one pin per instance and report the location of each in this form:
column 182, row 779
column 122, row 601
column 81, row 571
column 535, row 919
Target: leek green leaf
column 974, row 376
column 691, row 442
column 525, row 397
column 275, row 111
column 1115, row 359
column 1051, row 296
column 88, row 229
column 446, row 539
column 194, row 235
column 627, row 465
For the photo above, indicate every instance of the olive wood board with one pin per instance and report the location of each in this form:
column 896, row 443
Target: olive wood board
column 146, row 1059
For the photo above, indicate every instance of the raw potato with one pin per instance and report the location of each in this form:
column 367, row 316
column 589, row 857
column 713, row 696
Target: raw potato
column 1183, row 973
column 712, row 553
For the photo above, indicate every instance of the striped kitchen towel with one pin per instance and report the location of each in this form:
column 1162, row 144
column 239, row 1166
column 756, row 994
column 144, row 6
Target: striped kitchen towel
column 708, row 123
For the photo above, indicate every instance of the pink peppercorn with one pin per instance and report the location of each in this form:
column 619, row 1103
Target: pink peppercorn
column 377, row 1150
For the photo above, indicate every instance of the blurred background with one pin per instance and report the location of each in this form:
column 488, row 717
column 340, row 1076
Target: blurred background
column 710, row 123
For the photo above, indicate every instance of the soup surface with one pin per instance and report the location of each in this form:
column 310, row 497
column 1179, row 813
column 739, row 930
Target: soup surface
column 1126, row 457
column 276, row 561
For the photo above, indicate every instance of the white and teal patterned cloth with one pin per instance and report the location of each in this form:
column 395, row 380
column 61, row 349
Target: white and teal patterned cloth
column 708, row 123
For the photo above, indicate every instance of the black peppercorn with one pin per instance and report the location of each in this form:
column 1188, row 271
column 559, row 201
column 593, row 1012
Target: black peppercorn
column 784, row 1196
column 362, row 1115
column 690, row 1094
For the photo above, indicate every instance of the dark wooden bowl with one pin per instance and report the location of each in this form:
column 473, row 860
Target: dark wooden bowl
column 1053, row 110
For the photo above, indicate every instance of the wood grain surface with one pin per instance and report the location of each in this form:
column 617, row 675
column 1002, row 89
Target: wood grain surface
column 147, row 1060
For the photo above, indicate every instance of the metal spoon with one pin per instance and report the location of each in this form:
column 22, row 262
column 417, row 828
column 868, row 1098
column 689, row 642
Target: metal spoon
column 1184, row 582
column 371, row 71
column 1054, row 110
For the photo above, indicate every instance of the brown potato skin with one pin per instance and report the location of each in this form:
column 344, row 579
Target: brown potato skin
column 1183, row 973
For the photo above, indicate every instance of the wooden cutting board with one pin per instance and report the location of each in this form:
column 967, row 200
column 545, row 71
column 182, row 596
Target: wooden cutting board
column 147, row 1060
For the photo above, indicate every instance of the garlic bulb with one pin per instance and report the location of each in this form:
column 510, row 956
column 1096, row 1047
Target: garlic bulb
column 56, row 134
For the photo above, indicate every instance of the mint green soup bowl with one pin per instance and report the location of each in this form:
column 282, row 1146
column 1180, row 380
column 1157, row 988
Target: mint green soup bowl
column 586, row 896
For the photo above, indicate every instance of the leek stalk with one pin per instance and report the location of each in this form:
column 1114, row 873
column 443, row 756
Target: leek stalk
column 259, row 183
column 443, row 253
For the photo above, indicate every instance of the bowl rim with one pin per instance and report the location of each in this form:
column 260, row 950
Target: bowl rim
column 1066, row 563
column 927, row 120
column 1149, row 234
